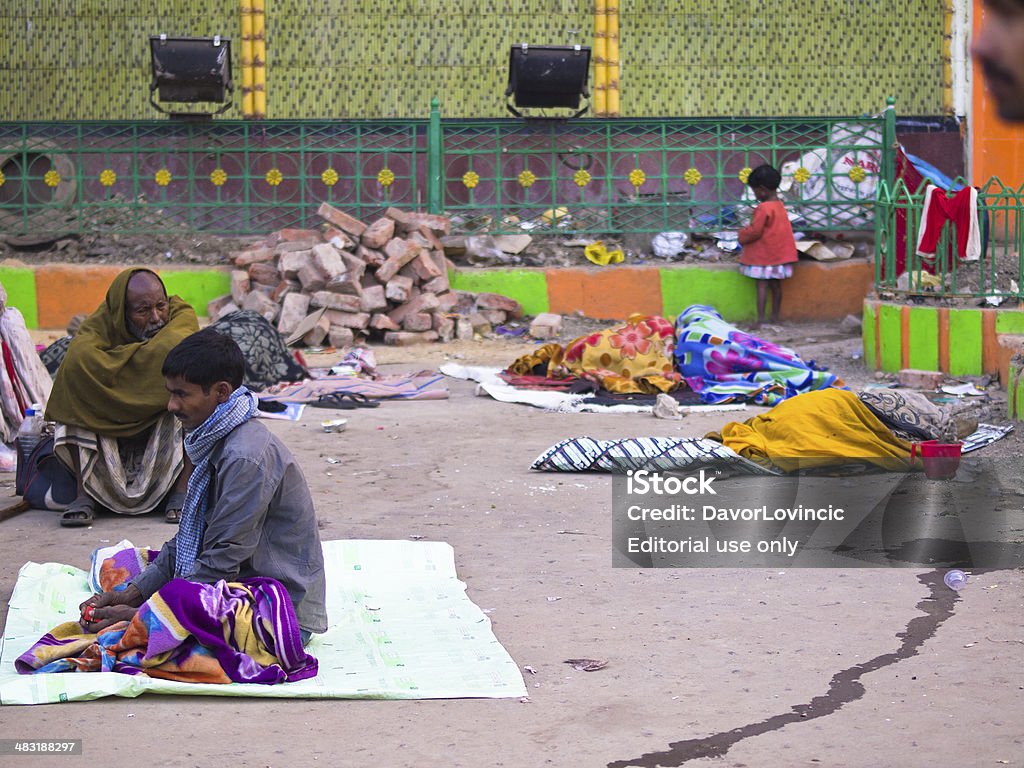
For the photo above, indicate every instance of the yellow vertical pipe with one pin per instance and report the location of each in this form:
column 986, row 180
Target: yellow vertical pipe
column 947, row 59
column 600, row 58
column 612, row 55
column 246, row 12
column 259, row 60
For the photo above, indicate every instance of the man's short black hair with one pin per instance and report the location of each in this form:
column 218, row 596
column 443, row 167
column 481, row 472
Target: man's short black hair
column 204, row 358
column 764, row 176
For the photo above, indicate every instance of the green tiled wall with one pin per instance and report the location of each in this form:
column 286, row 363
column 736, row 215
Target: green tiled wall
column 89, row 59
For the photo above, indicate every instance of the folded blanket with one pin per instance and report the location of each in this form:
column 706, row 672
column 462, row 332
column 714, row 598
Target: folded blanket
column 634, row 356
column 726, row 365
column 420, row 386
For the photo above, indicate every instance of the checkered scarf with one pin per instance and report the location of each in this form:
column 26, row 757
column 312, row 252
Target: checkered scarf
column 236, row 410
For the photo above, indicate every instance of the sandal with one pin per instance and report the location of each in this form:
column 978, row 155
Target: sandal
column 345, row 401
column 173, row 506
column 80, row 513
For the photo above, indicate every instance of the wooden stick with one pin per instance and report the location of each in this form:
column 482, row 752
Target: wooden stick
column 14, row 509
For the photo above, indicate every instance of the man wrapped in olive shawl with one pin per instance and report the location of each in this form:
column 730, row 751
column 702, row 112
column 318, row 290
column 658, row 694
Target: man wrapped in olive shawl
column 110, row 403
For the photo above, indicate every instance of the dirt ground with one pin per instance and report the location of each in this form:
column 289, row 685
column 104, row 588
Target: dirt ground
column 716, row 667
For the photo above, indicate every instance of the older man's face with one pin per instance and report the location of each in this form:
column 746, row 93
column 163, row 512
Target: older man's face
column 999, row 49
column 146, row 308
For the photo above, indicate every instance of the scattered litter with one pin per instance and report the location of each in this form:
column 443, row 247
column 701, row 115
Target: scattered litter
column 334, row 425
column 666, row 407
column 598, row 254
column 525, row 699
column 529, row 669
column 574, row 533
column 332, row 460
column 416, row 536
column 963, row 389
column 667, row 245
column 587, row 665
column 554, row 599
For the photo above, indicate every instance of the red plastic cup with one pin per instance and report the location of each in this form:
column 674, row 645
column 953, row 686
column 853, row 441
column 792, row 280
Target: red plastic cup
column 940, row 459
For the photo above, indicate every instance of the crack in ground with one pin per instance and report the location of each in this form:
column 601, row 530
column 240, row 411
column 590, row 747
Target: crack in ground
column 844, row 687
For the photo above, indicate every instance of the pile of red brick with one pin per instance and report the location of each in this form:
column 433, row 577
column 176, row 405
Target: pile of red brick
column 387, row 279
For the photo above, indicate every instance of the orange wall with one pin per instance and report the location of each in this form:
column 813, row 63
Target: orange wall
column 998, row 148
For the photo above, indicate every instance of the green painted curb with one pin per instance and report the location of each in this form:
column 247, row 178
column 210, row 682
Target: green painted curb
column 20, row 284
column 965, row 342
column 890, row 327
column 867, row 335
column 528, row 288
column 733, row 295
column 1010, row 321
column 924, row 339
column 197, row 287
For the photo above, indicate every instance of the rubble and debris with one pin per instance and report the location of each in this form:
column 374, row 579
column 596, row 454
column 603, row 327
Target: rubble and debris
column 353, row 280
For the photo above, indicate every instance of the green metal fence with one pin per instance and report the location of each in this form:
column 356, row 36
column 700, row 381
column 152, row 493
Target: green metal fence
column 986, row 262
column 593, row 177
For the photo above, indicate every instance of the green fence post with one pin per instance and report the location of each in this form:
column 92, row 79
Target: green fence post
column 889, row 141
column 435, row 158
column 883, row 207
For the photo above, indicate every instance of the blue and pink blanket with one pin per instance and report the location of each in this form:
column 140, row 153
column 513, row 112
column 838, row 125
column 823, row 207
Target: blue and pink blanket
column 725, row 365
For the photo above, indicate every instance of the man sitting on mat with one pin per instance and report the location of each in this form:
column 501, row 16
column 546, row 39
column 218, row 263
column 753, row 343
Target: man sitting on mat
column 108, row 399
column 248, row 511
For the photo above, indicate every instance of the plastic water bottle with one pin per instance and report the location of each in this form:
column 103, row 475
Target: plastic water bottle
column 30, row 432
column 955, row 579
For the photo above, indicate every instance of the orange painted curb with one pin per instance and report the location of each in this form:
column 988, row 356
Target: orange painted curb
column 989, row 342
column 63, row 291
column 605, row 293
column 827, row 290
column 943, row 339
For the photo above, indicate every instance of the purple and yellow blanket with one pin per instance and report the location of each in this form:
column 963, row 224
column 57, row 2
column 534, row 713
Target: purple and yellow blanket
column 244, row 632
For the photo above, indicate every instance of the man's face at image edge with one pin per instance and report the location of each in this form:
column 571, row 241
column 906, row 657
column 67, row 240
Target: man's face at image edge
column 999, row 51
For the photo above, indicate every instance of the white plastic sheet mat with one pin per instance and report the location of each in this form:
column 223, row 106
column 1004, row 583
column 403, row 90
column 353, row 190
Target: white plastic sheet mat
column 402, row 627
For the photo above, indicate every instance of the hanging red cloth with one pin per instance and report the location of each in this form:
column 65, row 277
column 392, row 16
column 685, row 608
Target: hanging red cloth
column 962, row 210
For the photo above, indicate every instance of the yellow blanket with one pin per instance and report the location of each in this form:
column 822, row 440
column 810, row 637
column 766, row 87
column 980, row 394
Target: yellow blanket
column 816, row 429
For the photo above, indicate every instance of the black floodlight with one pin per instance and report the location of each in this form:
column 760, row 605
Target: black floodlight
column 548, row 76
column 188, row 70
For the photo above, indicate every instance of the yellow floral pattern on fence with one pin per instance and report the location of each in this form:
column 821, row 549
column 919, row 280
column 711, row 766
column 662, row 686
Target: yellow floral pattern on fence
column 52, row 178
column 582, row 178
column 744, row 174
column 218, row 176
column 857, row 174
column 637, row 178
column 801, row 175
column 527, row 179
column 329, row 177
column 274, row 177
column 692, row 177
column 470, row 179
column 162, row 177
column 386, row 177
column 108, row 178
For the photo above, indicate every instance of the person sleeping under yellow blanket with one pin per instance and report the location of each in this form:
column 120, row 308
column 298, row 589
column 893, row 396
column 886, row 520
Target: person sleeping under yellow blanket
column 816, row 429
